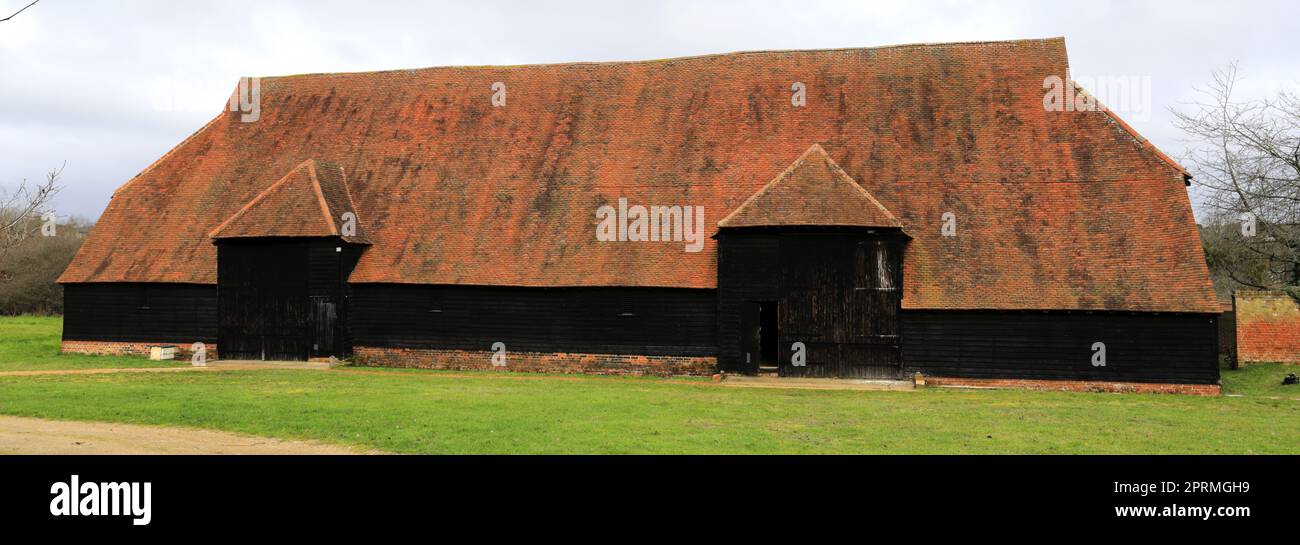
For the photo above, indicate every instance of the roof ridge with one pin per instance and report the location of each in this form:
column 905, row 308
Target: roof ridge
column 347, row 191
column 704, row 56
column 320, row 197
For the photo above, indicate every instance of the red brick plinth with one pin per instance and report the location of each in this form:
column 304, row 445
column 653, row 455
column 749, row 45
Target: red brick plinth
column 114, row 348
column 1076, row 386
column 535, row 362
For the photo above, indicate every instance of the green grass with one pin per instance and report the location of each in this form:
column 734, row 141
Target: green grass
column 434, row 412
column 1260, row 380
column 31, row 343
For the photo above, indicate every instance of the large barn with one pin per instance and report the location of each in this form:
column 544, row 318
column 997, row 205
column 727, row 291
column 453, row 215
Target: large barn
column 841, row 213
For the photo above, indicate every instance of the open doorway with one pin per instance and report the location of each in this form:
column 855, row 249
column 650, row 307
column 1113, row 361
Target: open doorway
column 767, row 335
column 758, row 337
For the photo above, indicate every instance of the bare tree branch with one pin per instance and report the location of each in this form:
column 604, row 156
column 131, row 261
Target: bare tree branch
column 1246, row 155
column 20, row 210
column 19, row 11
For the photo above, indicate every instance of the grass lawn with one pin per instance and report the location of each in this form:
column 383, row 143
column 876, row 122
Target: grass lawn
column 30, row 343
column 434, row 412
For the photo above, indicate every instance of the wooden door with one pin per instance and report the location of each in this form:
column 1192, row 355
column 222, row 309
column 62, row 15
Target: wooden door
column 324, row 320
column 750, row 337
column 840, row 306
column 263, row 311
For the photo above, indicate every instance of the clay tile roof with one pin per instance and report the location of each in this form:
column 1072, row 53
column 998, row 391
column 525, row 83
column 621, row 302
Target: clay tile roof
column 811, row 191
column 309, row 201
column 1053, row 209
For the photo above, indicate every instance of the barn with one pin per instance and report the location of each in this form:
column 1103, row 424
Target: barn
column 868, row 213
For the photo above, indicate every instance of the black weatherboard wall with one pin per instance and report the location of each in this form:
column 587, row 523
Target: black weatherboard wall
column 1140, row 347
column 641, row 321
column 140, row 312
column 825, row 288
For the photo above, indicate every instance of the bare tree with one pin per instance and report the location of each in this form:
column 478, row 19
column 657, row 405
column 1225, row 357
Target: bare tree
column 21, row 210
column 1246, row 155
column 1233, row 263
column 19, row 11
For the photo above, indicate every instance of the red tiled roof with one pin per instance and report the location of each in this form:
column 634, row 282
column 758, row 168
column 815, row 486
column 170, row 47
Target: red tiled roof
column 1054, row 210
column 313, row 198
column 812, row 191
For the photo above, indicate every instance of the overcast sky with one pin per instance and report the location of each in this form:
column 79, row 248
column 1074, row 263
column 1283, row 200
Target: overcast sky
column 109, row 87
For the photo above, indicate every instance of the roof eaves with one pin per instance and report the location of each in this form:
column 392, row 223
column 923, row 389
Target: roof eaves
column 169, row 153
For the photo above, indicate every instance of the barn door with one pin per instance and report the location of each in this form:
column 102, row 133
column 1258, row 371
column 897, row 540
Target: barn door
column 873, row 351
column 839, row 307
column 262, row 307
column 323, row 318
column 751, row 346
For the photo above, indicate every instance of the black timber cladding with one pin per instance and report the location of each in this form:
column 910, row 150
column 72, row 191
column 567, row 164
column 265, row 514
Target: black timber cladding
column 642, row 321
column 746, row 272
column 1168, row 348
column 1141, row 347
column 140, row 312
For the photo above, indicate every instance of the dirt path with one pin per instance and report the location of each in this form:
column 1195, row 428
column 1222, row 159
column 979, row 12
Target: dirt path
column 738, row 381
column 96, row 371
column 20, row 435
column 224, row 365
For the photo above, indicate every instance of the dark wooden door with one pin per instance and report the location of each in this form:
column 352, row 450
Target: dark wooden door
column 262, row 301
column 750, row 337
column 839, row 306
column 324, row 320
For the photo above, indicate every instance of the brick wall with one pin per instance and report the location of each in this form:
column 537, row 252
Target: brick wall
column 1268, row 327
column 535, row 362
column 115, row 348
column 1076, row 386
